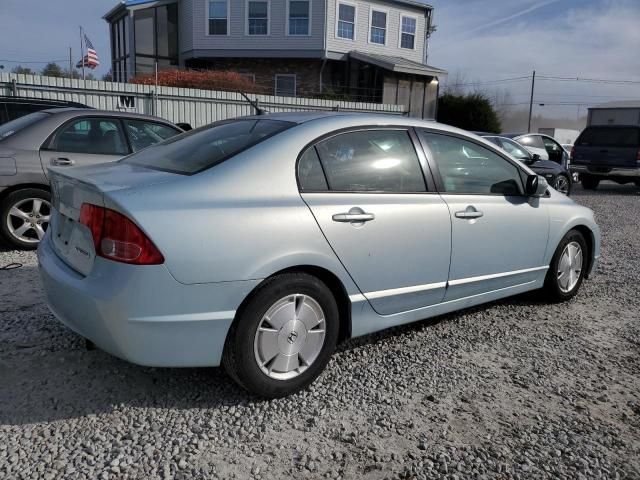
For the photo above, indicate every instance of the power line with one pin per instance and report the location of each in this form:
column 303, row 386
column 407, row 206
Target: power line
column 24, row 61
column 609, row 81
column 490, row 82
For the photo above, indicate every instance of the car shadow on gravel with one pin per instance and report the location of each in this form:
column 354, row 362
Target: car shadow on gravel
column 606, row 188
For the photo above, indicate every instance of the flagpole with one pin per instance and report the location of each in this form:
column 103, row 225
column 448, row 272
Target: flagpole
column 70, row 64
column 82, row 52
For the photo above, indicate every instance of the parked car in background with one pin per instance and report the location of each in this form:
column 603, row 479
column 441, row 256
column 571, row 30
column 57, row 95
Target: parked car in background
column 607, row 152
column 16, row 107
column 547, row 147
column 556, row 175
column 261, row 242
column 31, row 144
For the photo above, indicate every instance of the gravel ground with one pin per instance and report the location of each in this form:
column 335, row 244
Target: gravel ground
column 515, row 389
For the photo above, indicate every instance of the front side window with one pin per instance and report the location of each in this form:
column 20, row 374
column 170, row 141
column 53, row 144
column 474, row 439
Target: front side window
column 378, row 32
column 285, row 85
column 346, row 21
column 218, row 17
column 299, row 17
column 468, row 168
column 98, row 136
column 207, row 146
column 408, row 32
column 144, row 134
column 258, row 18
column 371, row 161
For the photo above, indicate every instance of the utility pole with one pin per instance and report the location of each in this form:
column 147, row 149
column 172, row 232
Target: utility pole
column 533, row 84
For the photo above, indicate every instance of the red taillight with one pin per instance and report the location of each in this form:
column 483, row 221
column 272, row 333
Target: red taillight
column 573, row 152
column 117, row 238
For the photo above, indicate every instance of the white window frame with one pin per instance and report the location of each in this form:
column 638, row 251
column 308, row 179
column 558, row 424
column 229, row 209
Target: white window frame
column 295, row 83
column 246, row 18
column 355, row 21
column 308, row 34
column 386, row 24
column 415, row 35
column 206, row 16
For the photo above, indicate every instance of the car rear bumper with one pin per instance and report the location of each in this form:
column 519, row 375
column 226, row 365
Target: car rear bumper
column 606, row 171
column 141, row 313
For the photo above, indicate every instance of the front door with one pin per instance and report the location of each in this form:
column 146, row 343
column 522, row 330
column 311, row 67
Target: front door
column 499, row 236
column 85, row 141
column 368, row 194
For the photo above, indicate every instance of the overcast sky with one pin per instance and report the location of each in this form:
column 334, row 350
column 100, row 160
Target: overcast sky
column 483, row 40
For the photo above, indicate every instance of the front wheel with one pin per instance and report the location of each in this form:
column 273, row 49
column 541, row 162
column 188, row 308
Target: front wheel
column 25, row 217
column 562, row 184
column 567, row 268
column 283, row 337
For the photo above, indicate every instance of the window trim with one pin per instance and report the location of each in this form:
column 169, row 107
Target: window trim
column 400, row 32
column 425, row 167
column 386, row 24
column 295, row 83
column 246, row 19
column 355, row 20
column 433, row 165
column 287, row 33
column 207, row 18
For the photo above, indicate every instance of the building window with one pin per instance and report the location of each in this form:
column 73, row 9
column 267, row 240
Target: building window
column 299, row 13
column 346, row 21
column 286, row 85
column 120, row 50
column 219, row 17
column 408, row 32
column 156, row 38
column 258, row 17
column 378, row 32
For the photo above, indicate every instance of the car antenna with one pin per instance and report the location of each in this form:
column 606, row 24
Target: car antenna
column 255, row 104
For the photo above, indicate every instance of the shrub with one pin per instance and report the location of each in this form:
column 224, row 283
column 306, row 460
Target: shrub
column 203, row 80
column 472, row 112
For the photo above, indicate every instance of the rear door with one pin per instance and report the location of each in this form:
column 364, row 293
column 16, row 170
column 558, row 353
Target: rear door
column 367, row 191
column 608, row 147
column 85, row 141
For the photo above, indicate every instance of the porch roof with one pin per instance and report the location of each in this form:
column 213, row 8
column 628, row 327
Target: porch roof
column 398, row 64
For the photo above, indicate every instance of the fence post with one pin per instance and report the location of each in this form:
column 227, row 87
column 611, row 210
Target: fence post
column 14, row 87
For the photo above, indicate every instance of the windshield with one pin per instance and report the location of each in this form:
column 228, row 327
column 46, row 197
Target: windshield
column 205, row 147
column 610, row 137
column 9, row 128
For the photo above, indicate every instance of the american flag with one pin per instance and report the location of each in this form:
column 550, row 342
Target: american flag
column 90, row 60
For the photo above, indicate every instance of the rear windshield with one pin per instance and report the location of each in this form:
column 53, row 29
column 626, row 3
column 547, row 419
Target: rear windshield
column 9, row 128
column 205, row 147
column 609, row 137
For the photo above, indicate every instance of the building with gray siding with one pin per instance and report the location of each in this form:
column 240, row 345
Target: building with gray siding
column 364, row 50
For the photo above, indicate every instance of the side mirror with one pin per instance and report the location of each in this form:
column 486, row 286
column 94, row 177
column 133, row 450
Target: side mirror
column 535, row 157
column 536, row 186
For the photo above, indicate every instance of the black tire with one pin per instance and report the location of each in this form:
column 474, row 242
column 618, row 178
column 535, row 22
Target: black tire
column 589, row 182
column 239, row 358
column 13, row 199
column 566, row 179
column 552, row 289
column 637, row 182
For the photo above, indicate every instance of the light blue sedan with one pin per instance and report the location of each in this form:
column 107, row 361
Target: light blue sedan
column 259, row 243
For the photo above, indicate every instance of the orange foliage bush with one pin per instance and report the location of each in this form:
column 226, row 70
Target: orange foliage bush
column 204, row 80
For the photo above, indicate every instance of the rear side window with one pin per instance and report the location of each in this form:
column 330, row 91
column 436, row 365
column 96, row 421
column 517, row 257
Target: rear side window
column 14, row 126
column 205, row 147
column 371, row 161
column 609, row 137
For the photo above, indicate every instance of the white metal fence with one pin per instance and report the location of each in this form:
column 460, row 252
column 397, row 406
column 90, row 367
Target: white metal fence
column 196, row 107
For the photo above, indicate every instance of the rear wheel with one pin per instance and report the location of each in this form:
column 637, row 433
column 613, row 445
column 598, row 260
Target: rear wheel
column 25, row 217
column 562, row 184
column 567, row 268
column 589, row 182
column 283, row 337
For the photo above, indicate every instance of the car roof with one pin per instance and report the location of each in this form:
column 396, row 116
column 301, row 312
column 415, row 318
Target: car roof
column 69, row 113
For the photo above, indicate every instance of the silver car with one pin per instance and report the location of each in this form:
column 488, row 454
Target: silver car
column 259, row 243
column 62, row 137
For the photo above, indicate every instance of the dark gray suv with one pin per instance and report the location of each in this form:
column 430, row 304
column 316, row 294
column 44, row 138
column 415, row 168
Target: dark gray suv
column 64, row 138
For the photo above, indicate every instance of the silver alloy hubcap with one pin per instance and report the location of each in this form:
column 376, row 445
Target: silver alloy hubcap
column 28, row 219
column 570, row 267
column 562, row 185
column 290, row 336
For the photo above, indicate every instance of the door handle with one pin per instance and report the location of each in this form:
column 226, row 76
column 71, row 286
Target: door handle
column 469, row 213
column 354, row 215
column 62, row 162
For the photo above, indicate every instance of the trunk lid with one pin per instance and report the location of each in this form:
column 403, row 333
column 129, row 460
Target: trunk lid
column 608, row 147
column 72, row 187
